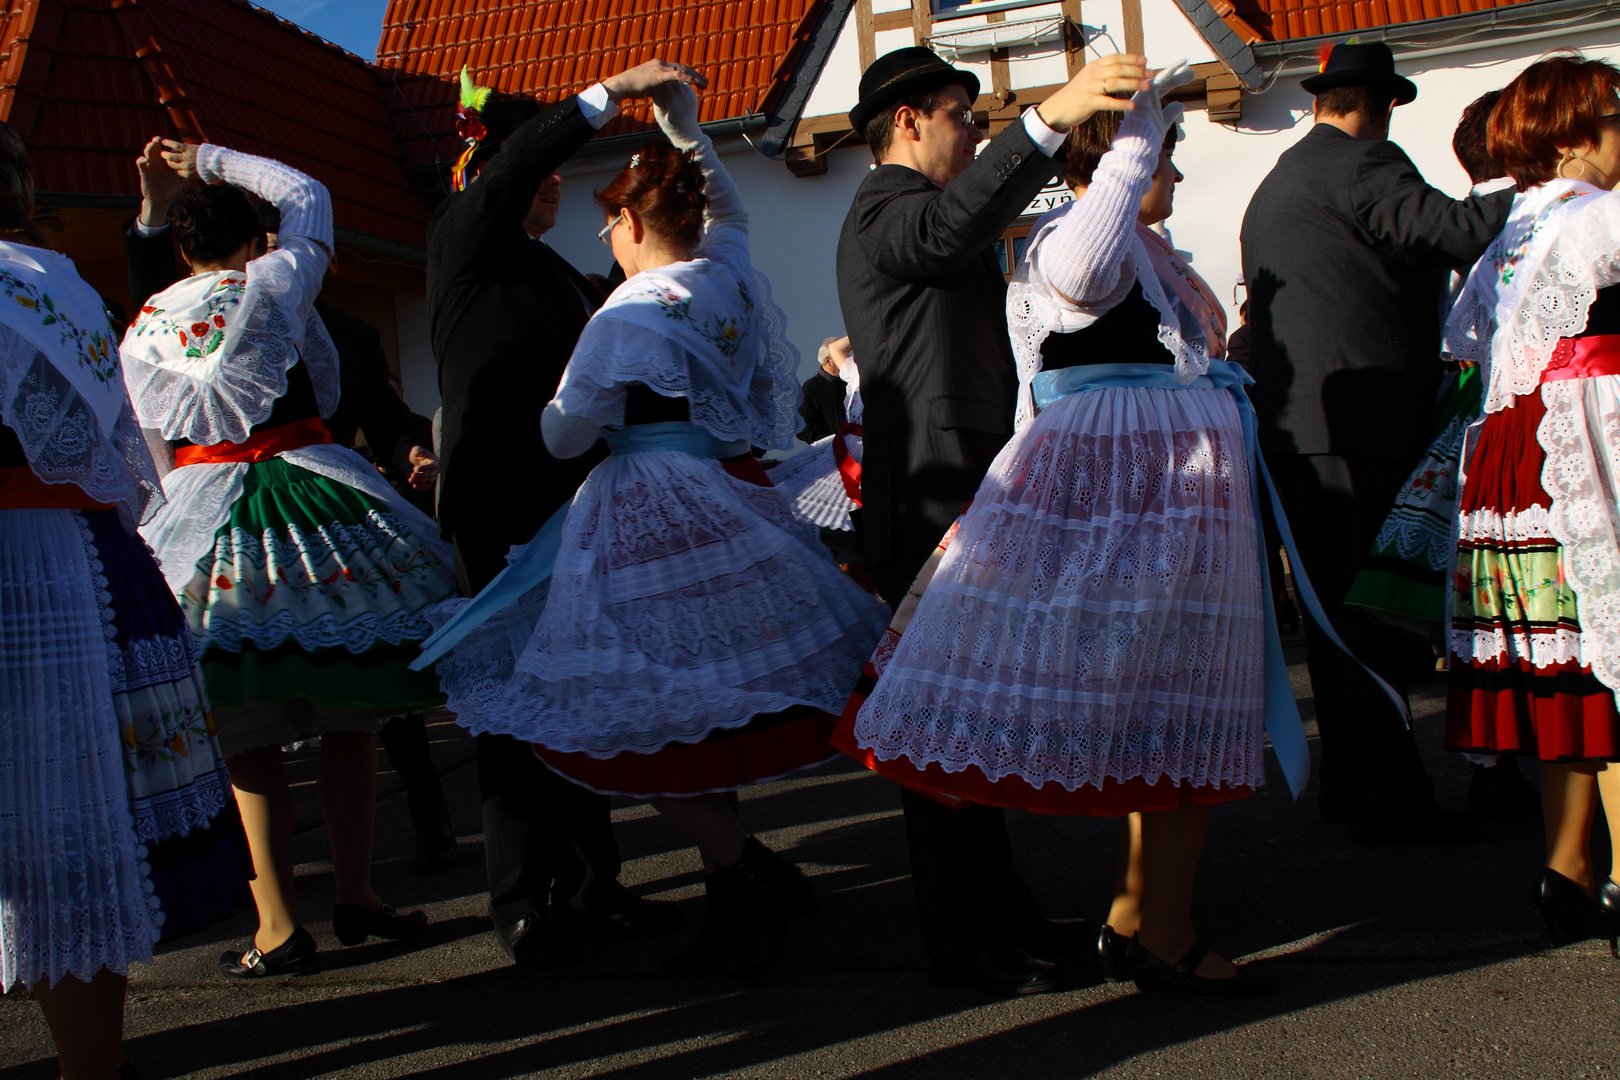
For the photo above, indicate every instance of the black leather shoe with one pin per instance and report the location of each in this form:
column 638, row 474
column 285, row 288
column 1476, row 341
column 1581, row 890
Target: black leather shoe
column 1005, row 971
column 1059, row 941
column 436, row 848
column 534, row 942
column 1501, row 790
column 1571, row 915
column 353, row 924
column 295, row 956
column 1608, row 901
column 1113, row 955
column 618, row 913
column 1150, row 974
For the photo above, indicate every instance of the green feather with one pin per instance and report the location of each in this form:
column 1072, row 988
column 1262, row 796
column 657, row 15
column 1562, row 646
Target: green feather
column 473, row 96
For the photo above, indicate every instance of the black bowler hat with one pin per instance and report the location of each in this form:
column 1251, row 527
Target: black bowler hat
column 1362, row 65
column 895, row 75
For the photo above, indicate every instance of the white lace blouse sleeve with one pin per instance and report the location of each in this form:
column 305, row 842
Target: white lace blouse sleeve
column 1081, row 259
column 725, row 221
column 567, row 436
column 304, row 238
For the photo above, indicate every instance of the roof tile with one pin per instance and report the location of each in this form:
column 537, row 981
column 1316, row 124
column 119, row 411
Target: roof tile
column 1278, row 19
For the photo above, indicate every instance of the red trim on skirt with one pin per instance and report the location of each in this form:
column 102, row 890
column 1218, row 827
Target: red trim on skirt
column 725, row 761
column 1115, row 798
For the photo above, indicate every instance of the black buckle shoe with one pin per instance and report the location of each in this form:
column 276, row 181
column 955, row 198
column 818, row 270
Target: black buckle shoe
column 1005, row 971
column 621, row 914
column 1150, row 974
column 295, row 956
column 1113, row 955
column 353, row 924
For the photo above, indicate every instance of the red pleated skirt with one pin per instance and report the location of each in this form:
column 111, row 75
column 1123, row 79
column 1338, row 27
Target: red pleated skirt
column 770, row 746
column 1516, row 684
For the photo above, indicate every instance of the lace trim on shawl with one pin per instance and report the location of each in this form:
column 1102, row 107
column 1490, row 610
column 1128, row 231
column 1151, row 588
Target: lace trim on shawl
column 1548, row 266
column 225, row 406
column 64, row 442
column 1034, row 311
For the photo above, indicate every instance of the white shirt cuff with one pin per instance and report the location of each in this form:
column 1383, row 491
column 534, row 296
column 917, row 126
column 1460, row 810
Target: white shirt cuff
column 147, row 230
column 597, row 106
column 1044, row 137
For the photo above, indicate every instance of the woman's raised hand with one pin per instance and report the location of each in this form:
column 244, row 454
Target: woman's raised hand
column 1091, row 90
column 643, row 79
column 182, row 158
column 160, row 185
column 1149, row 101
column 677, row 103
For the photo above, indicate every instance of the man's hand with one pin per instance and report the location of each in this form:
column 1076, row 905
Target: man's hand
column 160, row 185
column 424, row 468
column 643, row 80
column 1088, row 92
column 182, row 158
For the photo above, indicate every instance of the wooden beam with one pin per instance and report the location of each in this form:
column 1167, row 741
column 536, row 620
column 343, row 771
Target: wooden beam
column 1074, row 38
column 892, row 20
column 1000, row 71
column 865, row 33
column 922, row 20
column 1224, row 96
column 1131, row 11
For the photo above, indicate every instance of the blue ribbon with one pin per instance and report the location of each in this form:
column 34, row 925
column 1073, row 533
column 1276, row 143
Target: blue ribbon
column 536, row 561
column 1283, row 724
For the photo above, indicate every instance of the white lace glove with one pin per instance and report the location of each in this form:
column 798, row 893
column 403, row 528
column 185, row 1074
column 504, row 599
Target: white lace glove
column 1150, row 105
column 675, row 108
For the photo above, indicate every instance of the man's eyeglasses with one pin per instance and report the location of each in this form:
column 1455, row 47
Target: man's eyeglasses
column 606, row 235
column 963, row 116
column 1612, row 119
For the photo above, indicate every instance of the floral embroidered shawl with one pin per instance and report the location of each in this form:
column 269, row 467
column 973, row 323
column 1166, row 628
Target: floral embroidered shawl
column 45, row 301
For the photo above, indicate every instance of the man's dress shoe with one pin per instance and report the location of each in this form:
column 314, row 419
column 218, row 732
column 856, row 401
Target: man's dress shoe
column 534, row 942
column 1005, row 971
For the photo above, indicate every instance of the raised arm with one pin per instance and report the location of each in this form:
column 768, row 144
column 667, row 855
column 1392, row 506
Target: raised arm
column 1398, row 207
column 725, row 221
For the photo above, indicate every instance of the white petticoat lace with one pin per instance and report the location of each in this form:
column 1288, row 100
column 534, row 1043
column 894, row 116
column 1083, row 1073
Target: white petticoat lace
column 684, row 601
column 1098, row 615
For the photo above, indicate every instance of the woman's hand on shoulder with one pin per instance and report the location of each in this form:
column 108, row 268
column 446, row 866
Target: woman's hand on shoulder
column 182, row 158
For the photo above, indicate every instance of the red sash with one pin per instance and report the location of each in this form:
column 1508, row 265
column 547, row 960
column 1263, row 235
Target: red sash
column 1584, row 358
column 849, row 470
column 20, row 489
column 260, row 445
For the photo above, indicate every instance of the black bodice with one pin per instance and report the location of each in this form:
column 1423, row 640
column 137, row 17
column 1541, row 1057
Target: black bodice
column 1127, row 333
column 298, row 403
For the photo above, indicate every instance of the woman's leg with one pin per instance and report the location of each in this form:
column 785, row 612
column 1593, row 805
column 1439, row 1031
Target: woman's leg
column 266, row 807
column 1125, row 915
column 347, row 785
column 1608, row 779
column 710, row 822
column 1172, row 841
column 87, row 1022
column 1569, row 801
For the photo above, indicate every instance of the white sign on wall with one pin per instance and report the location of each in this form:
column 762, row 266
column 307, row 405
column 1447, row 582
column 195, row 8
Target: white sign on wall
column 1052, row 195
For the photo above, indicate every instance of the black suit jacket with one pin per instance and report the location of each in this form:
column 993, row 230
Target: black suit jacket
column 924, row 303
column 366, row 401
column 821, row 403
column 1346, row 253
column 505, row 312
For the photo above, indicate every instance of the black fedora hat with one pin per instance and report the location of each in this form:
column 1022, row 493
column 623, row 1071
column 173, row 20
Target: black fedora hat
column 1371, row 65
column 894, row 75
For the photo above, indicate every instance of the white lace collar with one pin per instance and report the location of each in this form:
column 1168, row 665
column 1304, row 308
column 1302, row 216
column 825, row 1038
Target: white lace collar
column 208, row 357
column 55, row 311
column 701, row 331
column 1034, row 310
column 1535, row 284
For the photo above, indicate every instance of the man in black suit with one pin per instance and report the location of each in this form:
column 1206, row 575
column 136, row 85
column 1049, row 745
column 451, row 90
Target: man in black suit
column 505, row 312
column 1347, row 252
column 821, row 396
column 925, row 306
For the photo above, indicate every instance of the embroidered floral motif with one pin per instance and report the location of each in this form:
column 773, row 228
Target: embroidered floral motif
column 96, row 348
column 204, row 336
column 725, row 334
column 1507, row 262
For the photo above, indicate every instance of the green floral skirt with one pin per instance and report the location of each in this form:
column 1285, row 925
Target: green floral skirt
column 315, row 590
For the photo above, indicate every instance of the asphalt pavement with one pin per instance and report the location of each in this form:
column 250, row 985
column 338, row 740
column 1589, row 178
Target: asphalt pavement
column 1394, row 963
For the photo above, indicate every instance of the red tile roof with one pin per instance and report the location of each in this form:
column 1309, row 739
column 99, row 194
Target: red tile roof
column 87, row 82
column 1275, row 20
column 550, row 48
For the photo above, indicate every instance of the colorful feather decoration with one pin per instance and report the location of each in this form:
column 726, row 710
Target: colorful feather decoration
column 473, row 96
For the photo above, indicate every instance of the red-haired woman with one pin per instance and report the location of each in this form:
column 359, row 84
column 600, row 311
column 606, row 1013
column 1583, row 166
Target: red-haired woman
column 690, row 638
column 1535, row 630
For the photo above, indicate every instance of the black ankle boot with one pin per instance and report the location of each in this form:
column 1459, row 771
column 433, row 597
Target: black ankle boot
column 772, row 892
column 721, row 944
column 1571, row 915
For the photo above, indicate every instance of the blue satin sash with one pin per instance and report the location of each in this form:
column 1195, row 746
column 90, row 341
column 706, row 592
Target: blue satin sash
column 536, row 560
column 1283, row 724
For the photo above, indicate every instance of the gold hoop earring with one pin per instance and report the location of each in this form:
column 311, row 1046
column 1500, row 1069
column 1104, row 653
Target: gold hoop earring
column 1559, row 172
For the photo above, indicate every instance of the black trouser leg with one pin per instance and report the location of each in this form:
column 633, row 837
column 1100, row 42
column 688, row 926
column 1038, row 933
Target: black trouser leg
column 517, row 852
column 969, row 897
column 405, row 740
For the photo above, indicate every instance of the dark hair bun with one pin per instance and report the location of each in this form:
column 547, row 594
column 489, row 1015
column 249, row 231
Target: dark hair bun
column 213, row 221
column 665, row 188
column 16, row 183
